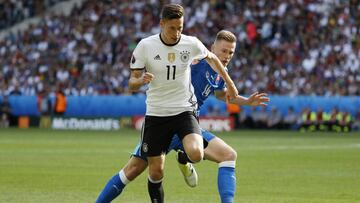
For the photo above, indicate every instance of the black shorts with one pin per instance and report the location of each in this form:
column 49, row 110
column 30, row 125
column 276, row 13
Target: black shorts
column 158, row 132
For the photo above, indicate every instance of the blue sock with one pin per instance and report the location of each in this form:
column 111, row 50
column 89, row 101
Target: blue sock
column 227, row 181
column 113, row 188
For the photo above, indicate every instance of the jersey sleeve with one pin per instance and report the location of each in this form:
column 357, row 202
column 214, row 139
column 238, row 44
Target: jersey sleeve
column 200, row 51
column 138, row 58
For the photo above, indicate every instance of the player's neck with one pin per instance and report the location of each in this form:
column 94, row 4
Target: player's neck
column 164, row 40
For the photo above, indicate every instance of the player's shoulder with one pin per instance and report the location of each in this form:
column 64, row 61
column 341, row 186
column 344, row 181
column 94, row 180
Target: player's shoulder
column 189, row 38
column 201, row 62
column 150, row 39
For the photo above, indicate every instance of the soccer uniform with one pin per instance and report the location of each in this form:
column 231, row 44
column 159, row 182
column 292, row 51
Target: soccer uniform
column 170, row 102
column 205, row 81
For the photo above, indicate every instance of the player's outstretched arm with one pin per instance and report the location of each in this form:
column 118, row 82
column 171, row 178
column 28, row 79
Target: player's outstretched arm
column 256, row 99
column 215, row 64
column 139, row 78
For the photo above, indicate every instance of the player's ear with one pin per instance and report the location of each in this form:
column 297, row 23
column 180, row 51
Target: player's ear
column 162, row 23
column 212, row 47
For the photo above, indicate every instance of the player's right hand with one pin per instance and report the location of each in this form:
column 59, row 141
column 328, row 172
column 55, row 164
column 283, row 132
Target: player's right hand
column 147, row 77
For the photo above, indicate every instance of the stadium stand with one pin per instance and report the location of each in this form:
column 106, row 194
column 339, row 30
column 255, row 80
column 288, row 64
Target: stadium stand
column 286, row 47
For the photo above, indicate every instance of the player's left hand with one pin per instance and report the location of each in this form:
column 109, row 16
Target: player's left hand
column 258, row 99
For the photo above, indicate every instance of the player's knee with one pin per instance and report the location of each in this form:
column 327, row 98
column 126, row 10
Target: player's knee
column 156, row 173
column 230, row 155
column 196, row 155
column 133, row 171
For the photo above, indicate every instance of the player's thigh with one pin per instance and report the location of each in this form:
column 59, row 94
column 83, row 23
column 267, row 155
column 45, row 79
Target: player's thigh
column 176, row 143
column 186, row 124
column 134, row 167
column 189, row 132
column 218, row 151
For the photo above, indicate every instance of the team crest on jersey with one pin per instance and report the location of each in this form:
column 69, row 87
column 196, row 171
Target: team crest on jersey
column 145, row 147
column 171, row 57
column 213, row 81
column 184, row 56
column 207, row 74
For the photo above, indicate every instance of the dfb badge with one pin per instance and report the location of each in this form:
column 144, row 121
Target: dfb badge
column 145, row 147
column 184, row 56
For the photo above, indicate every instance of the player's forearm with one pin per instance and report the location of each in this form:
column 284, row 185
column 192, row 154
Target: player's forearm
column 240, row 100
column 135, row 84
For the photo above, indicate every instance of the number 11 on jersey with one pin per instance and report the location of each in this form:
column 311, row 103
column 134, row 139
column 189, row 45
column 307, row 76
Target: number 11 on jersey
column 168, row 71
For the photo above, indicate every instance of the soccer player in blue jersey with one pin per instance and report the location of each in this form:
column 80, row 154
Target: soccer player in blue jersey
column 205, row 82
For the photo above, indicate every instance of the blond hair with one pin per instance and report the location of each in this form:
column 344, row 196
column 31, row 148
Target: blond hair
column 225, row 35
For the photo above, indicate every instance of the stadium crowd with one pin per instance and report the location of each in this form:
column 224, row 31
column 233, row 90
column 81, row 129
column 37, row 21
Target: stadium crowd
column 14, row 11
column 285, row 47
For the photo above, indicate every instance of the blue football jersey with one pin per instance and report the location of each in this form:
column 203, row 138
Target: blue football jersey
column 205, row 81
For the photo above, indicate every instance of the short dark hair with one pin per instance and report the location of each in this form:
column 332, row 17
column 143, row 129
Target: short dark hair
column 172, row 11
column 225, row 35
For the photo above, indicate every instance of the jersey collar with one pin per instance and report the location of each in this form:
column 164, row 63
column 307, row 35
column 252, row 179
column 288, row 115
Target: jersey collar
column 170, row 45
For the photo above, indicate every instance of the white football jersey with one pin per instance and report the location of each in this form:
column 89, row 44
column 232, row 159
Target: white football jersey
column 171, row 91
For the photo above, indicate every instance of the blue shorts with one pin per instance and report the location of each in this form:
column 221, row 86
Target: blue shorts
column 175, row 144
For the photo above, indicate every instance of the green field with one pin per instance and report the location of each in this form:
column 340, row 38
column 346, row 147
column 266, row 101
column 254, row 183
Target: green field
column 272, row 166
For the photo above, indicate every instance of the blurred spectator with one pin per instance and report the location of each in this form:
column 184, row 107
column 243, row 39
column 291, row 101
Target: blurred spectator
column 44, row 103
column 234, row 113
column 321, row 119
column 260, row 117
column 16, row 91
column 290, row 119
column 245, row 120
column 345, row 121
column 60, row 103
column 335, row 117
column 275, row 119
column 44, row 108
column 5, row 113
column 308, row 120
column 356, row 124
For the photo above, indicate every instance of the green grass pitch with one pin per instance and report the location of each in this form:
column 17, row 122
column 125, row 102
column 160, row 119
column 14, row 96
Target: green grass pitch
column 272, row 166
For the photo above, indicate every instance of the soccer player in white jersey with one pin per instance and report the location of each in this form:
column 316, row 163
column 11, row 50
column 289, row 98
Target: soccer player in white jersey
column 205, row 82
column 163, row 62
